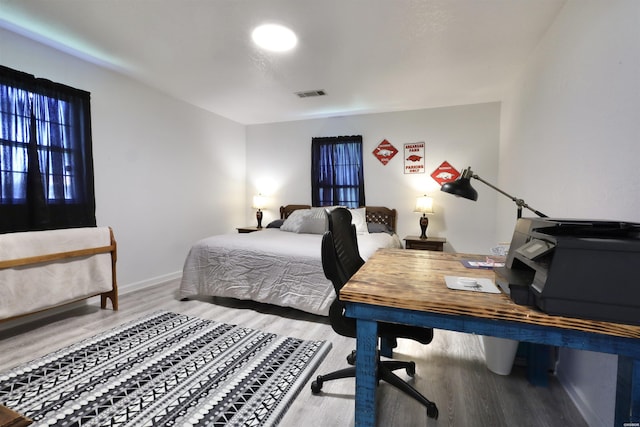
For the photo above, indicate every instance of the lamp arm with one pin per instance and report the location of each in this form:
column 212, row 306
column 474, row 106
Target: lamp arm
column 519, row 202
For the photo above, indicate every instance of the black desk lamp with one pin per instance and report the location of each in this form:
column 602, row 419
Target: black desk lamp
column 461, row 187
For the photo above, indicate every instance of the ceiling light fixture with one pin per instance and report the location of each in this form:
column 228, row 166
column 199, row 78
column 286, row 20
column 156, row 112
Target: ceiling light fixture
column 274, row 37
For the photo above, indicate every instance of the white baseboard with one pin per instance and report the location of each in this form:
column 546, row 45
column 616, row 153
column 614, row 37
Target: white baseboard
column 592, row 418
column 136, row 286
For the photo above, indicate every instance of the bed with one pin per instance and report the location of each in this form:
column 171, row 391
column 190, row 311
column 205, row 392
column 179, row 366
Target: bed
column 280, row 264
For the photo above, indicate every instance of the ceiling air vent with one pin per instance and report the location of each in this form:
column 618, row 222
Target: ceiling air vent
column 308, row 93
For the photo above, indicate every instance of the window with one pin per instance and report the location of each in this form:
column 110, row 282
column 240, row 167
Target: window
column 46, row 163
column 337, row 176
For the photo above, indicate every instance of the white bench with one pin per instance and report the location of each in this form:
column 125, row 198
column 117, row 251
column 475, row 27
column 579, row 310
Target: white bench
column 40, row 270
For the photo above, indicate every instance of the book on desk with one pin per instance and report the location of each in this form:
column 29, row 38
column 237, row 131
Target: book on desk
column 487, row 265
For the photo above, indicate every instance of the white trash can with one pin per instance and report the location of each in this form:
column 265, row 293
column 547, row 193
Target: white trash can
column 499, row 354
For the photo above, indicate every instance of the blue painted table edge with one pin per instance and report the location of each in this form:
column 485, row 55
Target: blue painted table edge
column 628, row 350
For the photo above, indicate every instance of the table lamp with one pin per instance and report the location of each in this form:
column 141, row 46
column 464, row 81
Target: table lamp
column 424, row 204
column 259, row 202
column 461, row 187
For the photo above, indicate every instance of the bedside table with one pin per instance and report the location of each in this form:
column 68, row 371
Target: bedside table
column 248, row 229
column 428, row 244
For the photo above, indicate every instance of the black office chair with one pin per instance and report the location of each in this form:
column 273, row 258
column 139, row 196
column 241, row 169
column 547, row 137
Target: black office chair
column 340, row 260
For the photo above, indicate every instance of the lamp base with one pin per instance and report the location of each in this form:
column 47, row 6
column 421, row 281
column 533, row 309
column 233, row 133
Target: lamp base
column 259, row 218
column 424, row 222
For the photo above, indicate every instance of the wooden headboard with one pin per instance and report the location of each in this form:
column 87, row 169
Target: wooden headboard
column 382, row 215
column 375, row 214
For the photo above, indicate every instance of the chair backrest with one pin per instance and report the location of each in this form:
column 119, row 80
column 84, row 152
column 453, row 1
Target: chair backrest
column 345, row 241
column 340, row 260
column 330, row 266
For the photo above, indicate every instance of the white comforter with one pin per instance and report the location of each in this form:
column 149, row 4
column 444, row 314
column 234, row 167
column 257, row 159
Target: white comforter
column 269, row 266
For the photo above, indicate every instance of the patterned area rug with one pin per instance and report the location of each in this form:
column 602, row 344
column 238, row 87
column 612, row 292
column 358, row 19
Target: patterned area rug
column 165, row 369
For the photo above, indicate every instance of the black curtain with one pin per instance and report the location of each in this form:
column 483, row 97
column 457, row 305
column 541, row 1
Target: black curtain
column 37, row 212
column 337, row 176
column 46, row 159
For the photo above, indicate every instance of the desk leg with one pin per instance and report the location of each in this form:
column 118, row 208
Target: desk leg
column 366, row 373
column 538, row 356
column 627, row 391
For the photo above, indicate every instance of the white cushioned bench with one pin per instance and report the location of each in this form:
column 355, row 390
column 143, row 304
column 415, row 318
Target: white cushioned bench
column 40, row 270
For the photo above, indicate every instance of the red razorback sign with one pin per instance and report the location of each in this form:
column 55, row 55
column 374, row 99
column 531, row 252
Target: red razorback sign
column 445, row 173
column 385, row 151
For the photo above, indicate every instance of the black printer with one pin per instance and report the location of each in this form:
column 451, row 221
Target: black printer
column 576, row 268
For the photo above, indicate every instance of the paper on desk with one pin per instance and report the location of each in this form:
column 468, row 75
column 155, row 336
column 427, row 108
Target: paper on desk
column 471, row 284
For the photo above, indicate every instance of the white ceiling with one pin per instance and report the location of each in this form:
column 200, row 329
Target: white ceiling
column 368, row 55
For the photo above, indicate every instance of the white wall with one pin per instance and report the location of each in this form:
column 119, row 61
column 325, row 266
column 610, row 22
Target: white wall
column 570, row 144
column 166, row 173
column 279, row 165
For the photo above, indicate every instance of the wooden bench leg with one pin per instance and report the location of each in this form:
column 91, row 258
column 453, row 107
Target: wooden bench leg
column 113, row 296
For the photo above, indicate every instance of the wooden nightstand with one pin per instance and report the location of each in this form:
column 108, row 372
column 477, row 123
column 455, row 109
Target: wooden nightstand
column 248, row 229
column 428, row 244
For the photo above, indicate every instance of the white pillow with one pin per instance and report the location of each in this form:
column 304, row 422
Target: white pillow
column 315, row 222
column 359, row 219
column 294, row 222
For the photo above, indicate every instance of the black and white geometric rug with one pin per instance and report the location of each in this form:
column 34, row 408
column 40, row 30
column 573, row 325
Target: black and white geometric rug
column 165, row 369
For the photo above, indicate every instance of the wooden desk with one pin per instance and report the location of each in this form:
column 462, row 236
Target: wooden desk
column 408, row 287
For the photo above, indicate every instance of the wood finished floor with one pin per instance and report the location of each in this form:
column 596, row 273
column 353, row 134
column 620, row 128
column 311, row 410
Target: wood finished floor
column 449, row 371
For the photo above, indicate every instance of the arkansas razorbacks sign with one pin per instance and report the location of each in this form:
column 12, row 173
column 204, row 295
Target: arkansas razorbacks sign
column 414, row 158
column 385, row 152
column 445, row 173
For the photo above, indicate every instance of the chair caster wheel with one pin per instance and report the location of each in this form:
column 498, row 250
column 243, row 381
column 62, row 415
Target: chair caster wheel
column 316, row 386
column 432, row 411
column 351, row 358
column 411, row 369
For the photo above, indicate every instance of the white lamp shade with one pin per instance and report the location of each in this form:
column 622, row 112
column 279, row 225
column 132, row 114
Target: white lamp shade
column 424, row 204
column 259, row 202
